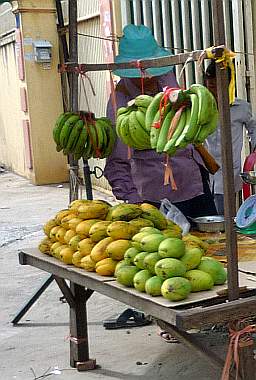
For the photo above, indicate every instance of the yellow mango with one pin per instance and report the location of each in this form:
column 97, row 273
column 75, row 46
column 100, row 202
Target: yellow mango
column 58, row 250
column 61, row 214
column 98, row 231
column 76, row 203
column 65, row 221
column 73, row 242
column 66, row 255
column 55, row 245
column 76, row 259
column 120, row 230
column 93, row 210
column 68, row 235
column 48, row 226
column 60, row 234
column 116, row 249
column 106, row 267
column 99, row 250
column 85, row 246
column 88, row 264
column 73, row 223
column 83, row 228
column 45, row 245
column 53, row 233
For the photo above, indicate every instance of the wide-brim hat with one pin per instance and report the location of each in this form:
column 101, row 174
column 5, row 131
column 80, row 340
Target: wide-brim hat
column 137, row 43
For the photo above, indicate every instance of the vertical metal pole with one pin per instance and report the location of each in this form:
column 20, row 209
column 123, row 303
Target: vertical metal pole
column 73, row 91
column 227, row 156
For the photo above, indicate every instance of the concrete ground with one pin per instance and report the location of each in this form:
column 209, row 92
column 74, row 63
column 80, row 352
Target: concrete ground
column 38, row 346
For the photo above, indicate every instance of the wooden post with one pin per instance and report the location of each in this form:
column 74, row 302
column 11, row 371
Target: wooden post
column 79, row 344
column 227, row 156
column 73, row 92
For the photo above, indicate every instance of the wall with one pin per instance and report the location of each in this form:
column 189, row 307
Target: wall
column 38, row 21
column 12, row 151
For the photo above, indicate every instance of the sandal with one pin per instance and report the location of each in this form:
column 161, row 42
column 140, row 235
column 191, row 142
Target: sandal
column 129, row 318
column 167, row 337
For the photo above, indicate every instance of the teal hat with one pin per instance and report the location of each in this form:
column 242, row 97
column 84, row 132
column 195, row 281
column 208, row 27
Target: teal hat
column 136, row 43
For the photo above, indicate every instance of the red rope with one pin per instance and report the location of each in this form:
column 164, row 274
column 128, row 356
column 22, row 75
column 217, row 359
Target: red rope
column 233, row 353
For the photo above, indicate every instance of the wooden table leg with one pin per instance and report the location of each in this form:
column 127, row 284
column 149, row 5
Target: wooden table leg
column 79, row 344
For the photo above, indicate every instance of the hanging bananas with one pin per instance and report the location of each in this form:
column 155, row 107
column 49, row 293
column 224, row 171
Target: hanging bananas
column 167, row 123
column 84, row 136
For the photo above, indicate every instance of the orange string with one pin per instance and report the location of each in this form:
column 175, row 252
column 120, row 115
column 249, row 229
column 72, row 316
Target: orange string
column 235, row 337
column 168, row 175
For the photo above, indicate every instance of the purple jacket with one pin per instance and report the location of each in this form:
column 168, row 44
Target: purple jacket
column 142, row 177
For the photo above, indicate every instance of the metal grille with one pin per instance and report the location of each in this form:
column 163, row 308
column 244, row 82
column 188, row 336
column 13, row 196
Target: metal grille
column 185, row 25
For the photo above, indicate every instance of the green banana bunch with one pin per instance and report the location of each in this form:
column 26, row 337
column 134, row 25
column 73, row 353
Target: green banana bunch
column 143, row 101
column 58, row 127
column 84, row 137
column 162, row 138
column 205, row 102
column 138, row 135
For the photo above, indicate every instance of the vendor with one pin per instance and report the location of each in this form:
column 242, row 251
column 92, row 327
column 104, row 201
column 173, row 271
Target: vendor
column 141, row 178
column 240, row 117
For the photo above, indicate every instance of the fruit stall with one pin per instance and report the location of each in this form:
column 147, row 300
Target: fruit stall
column 132, row 253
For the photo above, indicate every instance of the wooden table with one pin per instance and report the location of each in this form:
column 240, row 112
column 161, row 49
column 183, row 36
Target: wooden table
column 172, row 317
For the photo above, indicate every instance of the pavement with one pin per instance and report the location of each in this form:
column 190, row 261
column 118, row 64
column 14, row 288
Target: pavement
column 38, row 347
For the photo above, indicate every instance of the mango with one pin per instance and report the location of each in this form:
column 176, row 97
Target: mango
column 73, row 242
column 119, row 265
column 150, row 230
column 99, row 251
column 76, row 259
column 93, row 210
column 150, row 243
column 136, row 245
column 129, row 255
column 169, row 267
column 61, row 214
column 215, row 269
column 126, row 212
column 76, row 203
column 199, row 280
column 53, row 233
column 64, row 222
column 125, row 275
column 139, row 259
column 176, row 288
column 120, row 230
column 85, row 246
column 60, row 235
column 139, row 236
column 139, row 223
column 88, row 263
column 73, row 223
column 106, row 267
column 150, row 261
column 66, row 255
column 83, row 228
column 153, row 214
column 98, row 231
column 192, row 258
column 68, row 235
column 45, row 245
column 54, row 246
column 153, row 286
column 171, row 247
column 170, row 233
column 140, row 278
column 117, row 248
column 48, row 226
column 56, row 252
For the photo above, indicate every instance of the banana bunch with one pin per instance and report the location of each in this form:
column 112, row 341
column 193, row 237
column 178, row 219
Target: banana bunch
column 130, row 123
column 84, row 136
column 167, row 123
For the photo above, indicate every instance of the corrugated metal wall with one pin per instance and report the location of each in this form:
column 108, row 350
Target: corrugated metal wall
column 185, row 25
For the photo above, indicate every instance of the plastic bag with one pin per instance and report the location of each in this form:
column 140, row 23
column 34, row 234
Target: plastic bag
column 171, row 212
